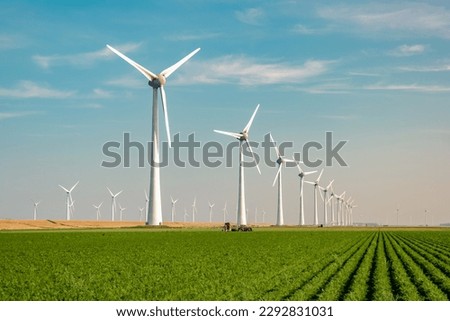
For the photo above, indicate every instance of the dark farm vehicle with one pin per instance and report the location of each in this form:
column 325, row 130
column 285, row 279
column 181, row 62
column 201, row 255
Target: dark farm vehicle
column 243, row 228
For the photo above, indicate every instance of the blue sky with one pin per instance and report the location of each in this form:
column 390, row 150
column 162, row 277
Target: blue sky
column 376, row 74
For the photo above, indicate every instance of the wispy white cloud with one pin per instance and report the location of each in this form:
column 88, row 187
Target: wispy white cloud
column 434, row 68
column 252, row 16
column 248, row 71
column 82, row 59
column 10, row 42
column 339, row 117
column 128, row 81
column 29, row 89
column 407, row 18
column 101, row 93
column 193, row 36
column 406, row 50
column 410, row 87
column 9, row 115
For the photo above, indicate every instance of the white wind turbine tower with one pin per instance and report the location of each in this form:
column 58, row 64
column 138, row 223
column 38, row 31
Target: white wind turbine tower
column 113, row 203
column 302, row 175
column 281, row 160
column 186, row 215
column 35, row 209
column 68, row 199
column 173, row 208
column 316, row 184
column 155, row 81
column 210, row 211
column 98, row 210
column 242, row 137
column 194, row 209
column 325, row 202
column 121, row 212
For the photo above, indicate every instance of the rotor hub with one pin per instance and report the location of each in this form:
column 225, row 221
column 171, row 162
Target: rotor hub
column 157, row 82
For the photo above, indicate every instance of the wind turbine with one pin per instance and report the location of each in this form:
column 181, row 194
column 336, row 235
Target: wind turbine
column 173, row 208
column 210, row 211
column 281, row 160
column 141, row 212
column 156, row 82
column 194, row 209
column 146, row 201
column 225, row 212
column 98, row 209
column 121, row 212
column 242, row 137
column 302, row 175
column 325, row 202
column 35, row 209
column 340, row 199
column 68, row 199
column 113, row 203
column 185, row 215
column 316, row 184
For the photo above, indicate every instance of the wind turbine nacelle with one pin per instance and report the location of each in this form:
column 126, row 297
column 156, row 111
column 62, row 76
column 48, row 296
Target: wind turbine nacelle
column 157, row 82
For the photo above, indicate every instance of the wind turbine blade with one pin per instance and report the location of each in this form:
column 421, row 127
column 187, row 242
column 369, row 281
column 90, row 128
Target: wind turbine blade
column 253, row 155
column 112, row 195
column 247, row 128
column 168, row 71
column 276, row 176
column 329, row 185
column 100, row 204
column 74, row 186
column 320, row 175
column 321, row 196
column 275, row 145
column 308, row 182
column 235, row 135
column 147, row 73
column 166, row 115
column 67, row 191
column 118, row 193
column 146, row 195
column 300, row 170
column 308, row 173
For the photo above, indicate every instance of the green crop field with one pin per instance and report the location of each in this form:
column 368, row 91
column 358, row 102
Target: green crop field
column 267, row 264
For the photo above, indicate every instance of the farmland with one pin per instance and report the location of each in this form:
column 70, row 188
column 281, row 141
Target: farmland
column 204, row 264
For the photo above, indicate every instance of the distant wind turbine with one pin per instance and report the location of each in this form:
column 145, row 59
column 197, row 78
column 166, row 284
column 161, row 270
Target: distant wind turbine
column 157, row 82
column 122, row 209
column 194, row 209
column 35, row 209
column 113, row 203
column 225, row 212
column 141, row 212
column 316, row 184
column 68, row 199
column 281, row 160
column 173, row 208
column 146, row 203
column 210, row 211
column 325, row 202
column 98, row 210
column 243, row 138
column 302, row 175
